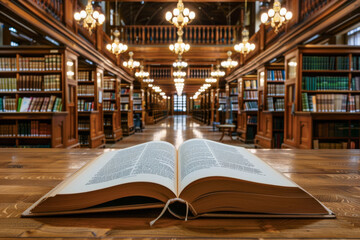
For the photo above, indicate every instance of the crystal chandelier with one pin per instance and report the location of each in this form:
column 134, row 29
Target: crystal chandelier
column 229, row 63
column 179, row 47
column 276, row 16
column 244, row 47
column 217, row 73
column 181, row 16
column 179, row 80
column 179, row 88
column 89, row 17
column 131, row 64
column 211, row 80
column 148, row 80
column 179, row 63
column 116, row 47
column 179, row 73
column 142, row 74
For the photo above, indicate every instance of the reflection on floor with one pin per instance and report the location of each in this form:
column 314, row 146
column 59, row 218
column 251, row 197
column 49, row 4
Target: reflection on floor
column 176, row 130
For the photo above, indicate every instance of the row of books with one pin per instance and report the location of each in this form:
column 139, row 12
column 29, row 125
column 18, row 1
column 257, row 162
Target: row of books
column 276, row 75
column 325, row 63
column 109, row 85
column 252, row 119
column 8, row 64
column 137, row 107
column 107, row 121
column 85, row 90
column 8, row 130
column 84, row 139
column 136, row 95
column 39, row 104
column 222, row 95
column 251, row 106
column 108, row 134
column 277, row 104
column 124, row 100
column 31, row 83
column 34, row 129
column 234, row 91
column 108, row 106
column 234, row 106
column 336, row 129
column 278, row 140
column 250, row 95
column 84, row 76
column 250, row 84
column 233, row 99
column 7, row 104
column 8, row 85
column 137, row 101
column 332, row 145
column 85, row 106
column 325, row 83
column 276, row 89
column 125, row 91
column 109, row 95
column 355, row 65
column 124, row 107
column 84, row 124
column 355, row 83
column 46, row 63
column 330, row 103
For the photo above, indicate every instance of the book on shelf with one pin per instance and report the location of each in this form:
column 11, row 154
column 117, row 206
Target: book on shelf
column 124, row 99
column 355, row 64
column 86, row 90
column 315, row 83
column 330, row 103
column 84, row 124
column 251, row 120
column 108, row 106
column 85, row 76
column 251, row 84
column 234, row 106
column 329, row 145
column 8, row 104
column 109, row 85
column 39, row 104
column 8, row 64
column 125, row 91
column 34, row 129
column 84, row 106
column 136, row 95
column 325, row 63
column 276, row 75
column 234, row 91
column 251, row 95
column 276, row 90
column 8, row 129
column 8, row 85
column 211, row 178
column 137, row 107
column 109, row 96
column 46, row 63
column 355, row 83
column 251, row 106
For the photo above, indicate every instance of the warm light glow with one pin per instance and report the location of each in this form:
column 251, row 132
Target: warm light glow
column 244, row 47
column 276, row 16
column 179, row 47
column 217, row 73
column 117, row 47
column 131, row 63
column 89, row 17
column 180, row 16
column 211, row 80
column 70, row 63
column 229, row 63
column 142, row 73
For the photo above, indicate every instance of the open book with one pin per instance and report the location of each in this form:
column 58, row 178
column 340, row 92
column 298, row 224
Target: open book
column 213, row 179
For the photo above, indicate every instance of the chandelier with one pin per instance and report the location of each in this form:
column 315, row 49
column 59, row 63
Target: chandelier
column 131, row 64
column 244, row 47
column 116, row 47
column 162, row 94
column 181, row 16
column 217, row 73
column 179, row 88
column 179, row 73
column 277, row 16
column 142, row 73
column 229, row 63
column 179, row 63
column 211, row 80
column 179, row 47
column 150, row 85
column 89, row 17
column 179, row 80
column 148, row 80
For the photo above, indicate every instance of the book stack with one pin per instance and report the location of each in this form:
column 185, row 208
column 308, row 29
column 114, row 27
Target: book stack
column 108, row 106
column 85, row 90
column 355, row 65
column 355, row 83
column 251, row 106
column 8, row 64
column 325, row 83
column 34, row 129
column 251, row 95
column 7, row 104
column 8, row 85
column 84, row 124
column 84, row 76
column 325, row 103
column 46, row 63
column 84, row 106
column 325, row 63
column 39, row 104
column 250, row 84
column 8, row 130
column 276, row 90
column 276, row 75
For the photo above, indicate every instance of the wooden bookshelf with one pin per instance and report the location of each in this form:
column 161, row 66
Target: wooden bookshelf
column 247, row 117
column 322, row 100
column 233, row 101
column 38, row 92
column 158, row 107
column 139, row 108
column 221, row 100
column 271, row 93
column 111, row 108
column 126, row 108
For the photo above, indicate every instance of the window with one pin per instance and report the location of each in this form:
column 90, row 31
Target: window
column 354, row 37
column 180, row 103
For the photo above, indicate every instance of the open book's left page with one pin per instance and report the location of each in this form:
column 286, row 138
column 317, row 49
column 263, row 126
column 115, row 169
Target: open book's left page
column 152, row 162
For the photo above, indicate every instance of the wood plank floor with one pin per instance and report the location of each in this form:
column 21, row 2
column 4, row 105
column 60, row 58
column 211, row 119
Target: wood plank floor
column 175, row 130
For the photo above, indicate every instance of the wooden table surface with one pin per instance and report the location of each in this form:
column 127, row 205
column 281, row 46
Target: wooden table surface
column 330, row 175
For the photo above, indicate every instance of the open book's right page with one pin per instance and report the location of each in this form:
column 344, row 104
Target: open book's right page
column 200, row 158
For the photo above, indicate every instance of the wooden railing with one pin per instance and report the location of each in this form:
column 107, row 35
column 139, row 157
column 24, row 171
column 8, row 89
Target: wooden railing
column 161, row 72
column 147, row 35
column 199, row 72
column 54, row 7
column 309, row 7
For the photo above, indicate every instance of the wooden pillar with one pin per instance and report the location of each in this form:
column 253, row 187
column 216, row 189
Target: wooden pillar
column 69, row 10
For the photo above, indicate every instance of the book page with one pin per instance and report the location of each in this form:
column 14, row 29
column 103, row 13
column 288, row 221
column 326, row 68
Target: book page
column 200, row 158
column 150, row 162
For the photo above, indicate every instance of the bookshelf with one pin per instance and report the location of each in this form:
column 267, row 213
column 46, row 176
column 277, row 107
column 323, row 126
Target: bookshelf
column 38, row 97
column 221, row 105
column 322, row 99
column 248, row 108
column 139, row 108
column 126, row 108
column 271, row 95
column 111, row 108
column 234, row 101
column 90, row 120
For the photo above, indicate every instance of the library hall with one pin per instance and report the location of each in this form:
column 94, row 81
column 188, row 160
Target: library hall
column 180, row 119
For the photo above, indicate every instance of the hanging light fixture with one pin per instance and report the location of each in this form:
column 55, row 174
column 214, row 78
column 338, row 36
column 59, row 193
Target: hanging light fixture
column 179, row 73
column 229, row 63
column 217, row 73
column 179, row 80
column 211, row 80
column 142, row 74
column 148, row 80
column 89, row 17
column 276, row 16
column 245, row 47
column 180, row 16
column 131, row 63
column 179, row 47
column 179, row 63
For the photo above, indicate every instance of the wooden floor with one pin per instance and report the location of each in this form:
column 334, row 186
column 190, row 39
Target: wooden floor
column 176, row 129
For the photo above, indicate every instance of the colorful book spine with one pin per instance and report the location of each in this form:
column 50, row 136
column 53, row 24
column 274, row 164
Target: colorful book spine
column 319, row 83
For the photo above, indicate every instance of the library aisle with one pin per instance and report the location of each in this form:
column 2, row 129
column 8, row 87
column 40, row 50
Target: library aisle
column 175, row 130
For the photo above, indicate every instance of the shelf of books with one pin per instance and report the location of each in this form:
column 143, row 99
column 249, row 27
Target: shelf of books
column 322, row 103
column 271, row 94
column 234, row 101
column 126, row 108
column 33, row 87
column 90, row 120
column 139, row 109
column 111, row 108
column 248, row 108
column 221, row 105
column 196, row 113
column 207, row 106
